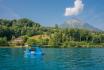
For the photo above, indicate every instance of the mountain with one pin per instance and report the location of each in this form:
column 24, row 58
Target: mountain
column 78, row 24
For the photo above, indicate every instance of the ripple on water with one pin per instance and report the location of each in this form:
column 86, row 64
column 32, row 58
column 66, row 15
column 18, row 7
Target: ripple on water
column 54, row 59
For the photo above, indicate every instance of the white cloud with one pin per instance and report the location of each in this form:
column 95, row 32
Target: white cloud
column 78, row 7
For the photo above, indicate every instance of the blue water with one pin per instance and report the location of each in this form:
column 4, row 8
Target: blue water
column 54, row 59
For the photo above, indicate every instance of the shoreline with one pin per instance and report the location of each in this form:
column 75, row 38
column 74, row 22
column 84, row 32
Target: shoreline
column 46, row 46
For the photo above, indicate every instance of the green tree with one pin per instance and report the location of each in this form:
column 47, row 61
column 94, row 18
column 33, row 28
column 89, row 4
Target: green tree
column 3, row 41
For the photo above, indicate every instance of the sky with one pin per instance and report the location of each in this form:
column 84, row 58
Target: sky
column 51, row 12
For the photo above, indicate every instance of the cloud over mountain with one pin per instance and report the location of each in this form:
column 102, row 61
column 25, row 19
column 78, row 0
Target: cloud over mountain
column 78, row 7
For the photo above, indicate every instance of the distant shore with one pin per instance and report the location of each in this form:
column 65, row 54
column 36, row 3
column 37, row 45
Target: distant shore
column 48, row 46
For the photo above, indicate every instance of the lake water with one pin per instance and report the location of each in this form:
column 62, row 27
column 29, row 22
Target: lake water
column 54, row 59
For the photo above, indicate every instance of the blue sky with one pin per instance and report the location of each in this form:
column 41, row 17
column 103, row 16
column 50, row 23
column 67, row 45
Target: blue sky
column 50, row 12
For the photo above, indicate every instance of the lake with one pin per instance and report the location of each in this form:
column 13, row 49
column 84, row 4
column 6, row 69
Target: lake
column 54, row 59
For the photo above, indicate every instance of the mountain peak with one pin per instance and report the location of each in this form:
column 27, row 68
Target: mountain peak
column 74, row 22
column 79, row 24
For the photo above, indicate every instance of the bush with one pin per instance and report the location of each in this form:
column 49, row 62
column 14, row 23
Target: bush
column 3, row 42
column 31, row 41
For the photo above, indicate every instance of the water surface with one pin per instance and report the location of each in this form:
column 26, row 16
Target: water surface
column 54, row 59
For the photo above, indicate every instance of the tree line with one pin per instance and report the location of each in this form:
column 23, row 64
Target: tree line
column 59, row 37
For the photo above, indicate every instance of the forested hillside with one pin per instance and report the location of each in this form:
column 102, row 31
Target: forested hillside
column 47, row 36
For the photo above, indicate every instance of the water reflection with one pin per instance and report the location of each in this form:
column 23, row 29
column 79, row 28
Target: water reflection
column 33, row 56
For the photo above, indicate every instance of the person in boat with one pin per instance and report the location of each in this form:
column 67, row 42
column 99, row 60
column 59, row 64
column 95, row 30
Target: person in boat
column 32, row 49
column 35, row 50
